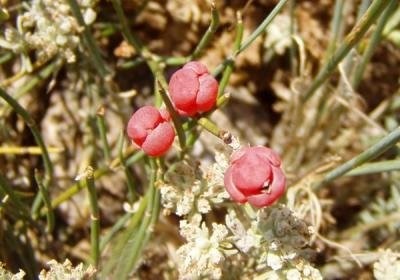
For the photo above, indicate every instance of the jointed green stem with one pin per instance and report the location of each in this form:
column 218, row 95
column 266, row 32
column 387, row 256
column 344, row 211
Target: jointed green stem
column 375, row 167
column 130, row 37
column 137, row 237
column 43, row 74
column 101, row 126
column 30, row 122
column 129, row 177
column 117, row 252
column 88, row 39
column 247, row 42
column 336, row 27
column 47, row 201
column 115, row 228
column 375, row 39
column 349, row 42
column 175, row 118
column 229, row 67
column 94, row 218
column 362, row 8
column 372, row 152
column 145, row 230
column 205, row 40
column 154, row 67
column 78, row 186
column 209, row 126
column 5, row 187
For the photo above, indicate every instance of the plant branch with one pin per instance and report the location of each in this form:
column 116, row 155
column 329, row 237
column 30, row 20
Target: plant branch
column 372, row 152
column 350, row 41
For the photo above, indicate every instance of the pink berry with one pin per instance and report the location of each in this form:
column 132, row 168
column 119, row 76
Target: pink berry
column 193, row 89
column 255, row 176
column 151, row 130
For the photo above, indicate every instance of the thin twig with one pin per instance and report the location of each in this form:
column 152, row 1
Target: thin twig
column 6, row 188
column 247, row 42
column 373, row 43
column 154, row 67
column 205, row 40
column 88, row 39
column 372, row 152
column 101, row 126
column 94, row 218
column 349, row 42
column 236, row 45
column 44, row 192
column 30, row 122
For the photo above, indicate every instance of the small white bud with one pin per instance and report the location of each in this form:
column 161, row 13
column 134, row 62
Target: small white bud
column 89, row 16
column 61, row 40
column 66, row 26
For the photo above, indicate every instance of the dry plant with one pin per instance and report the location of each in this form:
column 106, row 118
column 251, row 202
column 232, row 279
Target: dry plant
column 316, row 81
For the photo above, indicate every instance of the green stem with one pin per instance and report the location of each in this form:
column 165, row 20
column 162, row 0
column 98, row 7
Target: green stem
column 88, row 39
column 78, row 186
column 362, row 8
column 246, row 43
column 126, row 31
column 336, row 27
column 5, row 187
column 260, row 29
column 138, row 155
column 118, row 256
column 393, row 22
column 372, row 152
column 132, row 63
column 115, row 228
column 101, row 126
column 141, row 236
column 175, row 117
column 229, row 67
column 4, row 15
column 205, row 40
column 94, row 218
column 375, row 167
column 210, row 126
column 30, row 122
column 74, row 189
column 31, row 83
column 375, row 39
column 6, row 57
column 173, row 61
column 154, row 67
column 350, row 41
column 44, row 192
column 129, row 177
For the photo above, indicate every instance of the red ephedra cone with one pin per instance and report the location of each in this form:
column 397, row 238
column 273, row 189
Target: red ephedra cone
column 193, row 89
column 255, row 176
column 150, row 129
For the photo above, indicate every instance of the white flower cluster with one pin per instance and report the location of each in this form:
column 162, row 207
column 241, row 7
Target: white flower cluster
column 285, row 238
column 49, row 28
column 272, row 247
column 243, row 239
column 5, row 274
column 202, row 255
column 187, row 190
column 56, row 271
column 388, row 266
column 67, row 271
